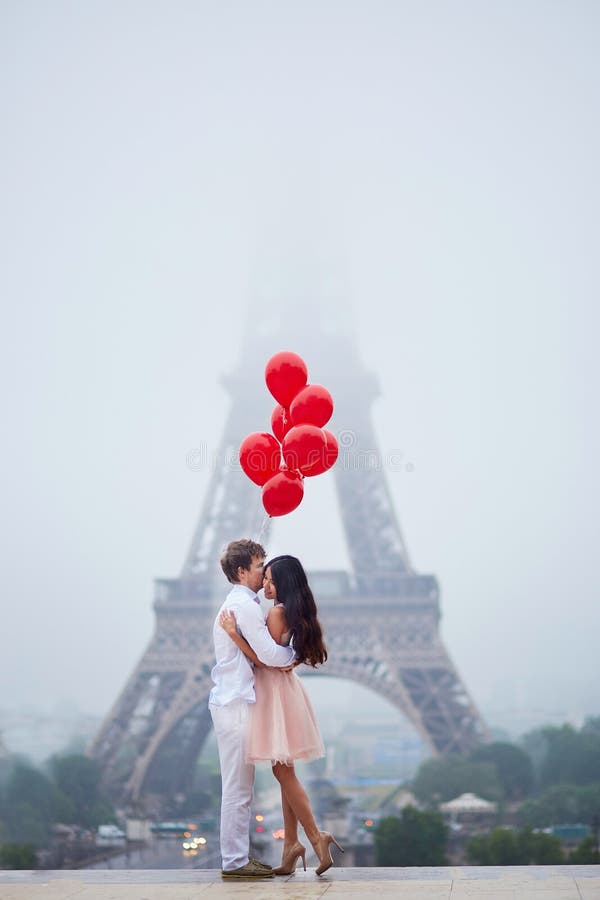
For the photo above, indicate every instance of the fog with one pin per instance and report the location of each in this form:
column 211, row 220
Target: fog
column 429, row 172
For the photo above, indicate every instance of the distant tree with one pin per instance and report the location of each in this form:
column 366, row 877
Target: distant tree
column 563, row 755
column 499, row 848
column 591, row 726
column 561, row 804
column 78, row 778
column 535, row 744
column 17, row 856
column 415, row 839
column 541, row 849
column 30, row 804
column 572, row 757
column 7, row 766
column 505, row 847
column 443, row 779
column 25, row 824
column 586, row 853
column 513, row 766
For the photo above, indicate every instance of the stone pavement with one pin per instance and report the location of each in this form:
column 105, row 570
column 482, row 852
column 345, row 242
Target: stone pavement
column 460, row 883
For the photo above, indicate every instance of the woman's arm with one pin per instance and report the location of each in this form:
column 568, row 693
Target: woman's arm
column 276, row 622
column 277, row 625
column 228, row 623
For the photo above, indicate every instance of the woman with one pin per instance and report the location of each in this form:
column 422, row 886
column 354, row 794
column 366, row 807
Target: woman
column 283, row 726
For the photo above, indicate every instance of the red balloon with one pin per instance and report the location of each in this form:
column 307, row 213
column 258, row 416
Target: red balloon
column 328, row 457
column 313, row 405
column 260, row 457
column 303, row 446
column 282, row 493
column 285, row 374
column 278, row 426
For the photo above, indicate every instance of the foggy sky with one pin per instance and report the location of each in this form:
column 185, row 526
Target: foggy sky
column 431, row 170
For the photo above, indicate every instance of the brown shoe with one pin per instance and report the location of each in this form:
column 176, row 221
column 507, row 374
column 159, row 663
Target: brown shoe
column 262, row 865
column 323, row 851
column 252, row 869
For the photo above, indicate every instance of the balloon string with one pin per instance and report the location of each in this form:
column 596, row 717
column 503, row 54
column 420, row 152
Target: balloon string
column 284, row 419
column 263, row 528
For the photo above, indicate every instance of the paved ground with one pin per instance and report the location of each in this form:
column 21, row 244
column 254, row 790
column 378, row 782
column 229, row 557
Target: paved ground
column 466, row 883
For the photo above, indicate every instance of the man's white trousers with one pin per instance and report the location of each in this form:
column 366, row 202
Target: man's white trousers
column 237, row 776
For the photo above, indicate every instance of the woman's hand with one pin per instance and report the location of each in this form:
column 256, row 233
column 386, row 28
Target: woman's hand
column 227, row 622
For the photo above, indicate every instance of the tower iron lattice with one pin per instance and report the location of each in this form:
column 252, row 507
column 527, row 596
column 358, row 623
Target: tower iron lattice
column 381, row 618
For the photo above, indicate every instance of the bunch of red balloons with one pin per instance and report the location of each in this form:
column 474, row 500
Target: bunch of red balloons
column 301, row 446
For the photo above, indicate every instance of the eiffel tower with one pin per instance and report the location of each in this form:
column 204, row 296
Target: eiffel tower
column 380, row 619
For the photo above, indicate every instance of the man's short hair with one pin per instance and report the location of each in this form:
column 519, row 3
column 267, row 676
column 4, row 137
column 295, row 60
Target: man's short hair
column 240, row 553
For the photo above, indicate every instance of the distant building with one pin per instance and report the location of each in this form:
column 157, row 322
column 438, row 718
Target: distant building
column 395, row 802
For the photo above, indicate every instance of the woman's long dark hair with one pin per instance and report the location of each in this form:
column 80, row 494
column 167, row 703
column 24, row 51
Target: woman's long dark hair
column 294, row 592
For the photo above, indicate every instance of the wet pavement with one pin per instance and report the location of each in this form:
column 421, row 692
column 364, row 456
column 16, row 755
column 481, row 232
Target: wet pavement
column 453, row 883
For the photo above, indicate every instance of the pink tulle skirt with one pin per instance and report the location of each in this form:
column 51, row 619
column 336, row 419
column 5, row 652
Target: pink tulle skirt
column 283, row 726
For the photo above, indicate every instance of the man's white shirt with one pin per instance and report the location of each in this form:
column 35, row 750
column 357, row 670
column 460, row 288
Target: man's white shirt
column 233, row 674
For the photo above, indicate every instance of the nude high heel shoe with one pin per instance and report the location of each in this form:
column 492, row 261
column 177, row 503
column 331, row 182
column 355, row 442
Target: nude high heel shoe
column 323, row 851
column 290, row 859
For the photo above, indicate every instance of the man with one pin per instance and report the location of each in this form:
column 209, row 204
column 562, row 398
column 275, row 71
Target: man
column 230, row 698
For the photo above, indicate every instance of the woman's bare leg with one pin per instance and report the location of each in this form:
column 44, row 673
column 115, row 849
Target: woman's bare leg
column 290, row 823
column 296, row 797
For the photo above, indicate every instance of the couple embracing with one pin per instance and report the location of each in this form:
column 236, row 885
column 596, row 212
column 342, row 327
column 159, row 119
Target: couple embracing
column 259, row 707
